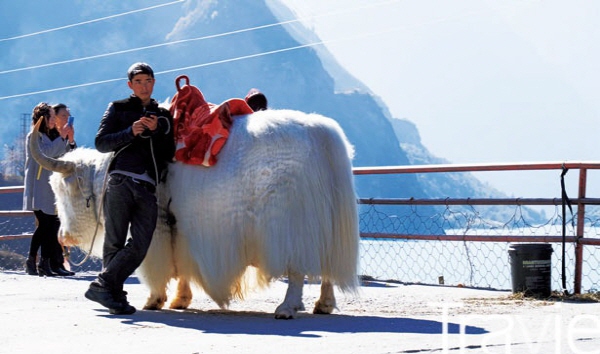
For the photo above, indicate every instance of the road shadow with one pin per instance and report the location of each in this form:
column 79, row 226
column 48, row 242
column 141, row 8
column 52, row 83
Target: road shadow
column 305, row 325
column 87, row 277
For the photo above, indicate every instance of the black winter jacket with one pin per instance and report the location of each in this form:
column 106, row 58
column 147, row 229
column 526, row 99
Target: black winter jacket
column 148, row 152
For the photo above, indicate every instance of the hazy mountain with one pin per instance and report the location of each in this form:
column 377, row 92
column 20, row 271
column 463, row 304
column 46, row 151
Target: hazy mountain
column 456, row 184
column 294, row 79
column 211, row 42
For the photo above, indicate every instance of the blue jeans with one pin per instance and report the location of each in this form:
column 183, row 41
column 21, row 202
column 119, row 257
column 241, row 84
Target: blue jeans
column 128, row 205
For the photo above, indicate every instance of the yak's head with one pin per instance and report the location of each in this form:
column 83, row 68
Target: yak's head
column 77, row 183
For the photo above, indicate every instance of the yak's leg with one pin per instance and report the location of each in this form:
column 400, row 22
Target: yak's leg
column 183, row 298
column 293, row 297
column 156, row 280
column 326, row 302
column 157, row 269
column 158, row 296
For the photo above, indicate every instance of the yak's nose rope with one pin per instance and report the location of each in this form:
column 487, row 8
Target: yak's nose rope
column 97, row 211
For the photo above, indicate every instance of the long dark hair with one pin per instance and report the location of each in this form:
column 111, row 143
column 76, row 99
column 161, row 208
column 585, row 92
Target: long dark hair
column 42, row 110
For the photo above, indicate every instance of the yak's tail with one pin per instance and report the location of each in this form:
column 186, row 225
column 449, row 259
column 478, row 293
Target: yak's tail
column 341, row 265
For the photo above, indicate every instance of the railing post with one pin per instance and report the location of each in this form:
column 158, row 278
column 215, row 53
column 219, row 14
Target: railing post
column 580, row 230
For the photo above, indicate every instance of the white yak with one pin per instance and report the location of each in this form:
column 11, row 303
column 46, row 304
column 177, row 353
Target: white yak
column 280, row 199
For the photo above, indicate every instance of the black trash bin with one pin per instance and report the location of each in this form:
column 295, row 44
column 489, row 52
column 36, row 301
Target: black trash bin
column 531, row 268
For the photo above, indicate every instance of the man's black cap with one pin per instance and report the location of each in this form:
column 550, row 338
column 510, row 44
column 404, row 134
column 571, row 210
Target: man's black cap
column 139, row 68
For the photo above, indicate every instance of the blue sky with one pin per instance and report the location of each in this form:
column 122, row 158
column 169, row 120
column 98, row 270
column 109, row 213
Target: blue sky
column 484, row 81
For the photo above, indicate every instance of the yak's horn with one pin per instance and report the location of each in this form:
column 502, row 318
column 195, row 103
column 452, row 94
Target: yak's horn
column 49, row 163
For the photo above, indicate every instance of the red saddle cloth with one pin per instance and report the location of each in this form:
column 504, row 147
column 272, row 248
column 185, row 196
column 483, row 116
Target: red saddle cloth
column 201, row 128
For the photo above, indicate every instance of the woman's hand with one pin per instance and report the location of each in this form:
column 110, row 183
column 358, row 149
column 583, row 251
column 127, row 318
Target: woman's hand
column 69, row 133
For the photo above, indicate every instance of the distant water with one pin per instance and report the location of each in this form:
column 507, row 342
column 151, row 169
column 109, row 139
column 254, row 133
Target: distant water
column 474, row 264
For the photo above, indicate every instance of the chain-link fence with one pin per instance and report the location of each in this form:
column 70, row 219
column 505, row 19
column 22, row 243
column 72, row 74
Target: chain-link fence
column 474, row 255
column 15, row 237
column 394, row 254
column 418, row 242
column 466, row 241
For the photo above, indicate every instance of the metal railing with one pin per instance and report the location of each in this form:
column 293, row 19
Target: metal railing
column 14, row 213
column 578, row 240
column 580, row 202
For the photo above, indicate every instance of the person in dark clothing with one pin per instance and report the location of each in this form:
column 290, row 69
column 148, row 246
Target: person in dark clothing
column 38, row 195
column 140, row 134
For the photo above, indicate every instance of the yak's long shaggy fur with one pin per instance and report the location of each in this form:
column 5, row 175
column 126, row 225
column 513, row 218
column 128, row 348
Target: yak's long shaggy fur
column 280, row 198
column 78, row 199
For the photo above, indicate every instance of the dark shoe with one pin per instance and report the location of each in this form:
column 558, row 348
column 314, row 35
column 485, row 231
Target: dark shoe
column 30, row 267
column 60, row 270
column 126, row 308
column 44, row 268
column 102, row 296
column 117, row 305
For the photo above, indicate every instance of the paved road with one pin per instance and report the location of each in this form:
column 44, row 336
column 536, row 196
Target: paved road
column 50, row 315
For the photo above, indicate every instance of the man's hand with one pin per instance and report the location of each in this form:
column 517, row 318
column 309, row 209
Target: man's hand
column 144, row 123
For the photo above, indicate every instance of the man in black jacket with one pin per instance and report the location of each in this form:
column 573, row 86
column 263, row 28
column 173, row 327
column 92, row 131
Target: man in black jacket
column 140, row 134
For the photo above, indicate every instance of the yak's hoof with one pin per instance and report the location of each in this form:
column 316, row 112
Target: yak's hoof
column 156, row 304
column 286, row 312
column 180, row 303
column 323, row 309
column 283, row 316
